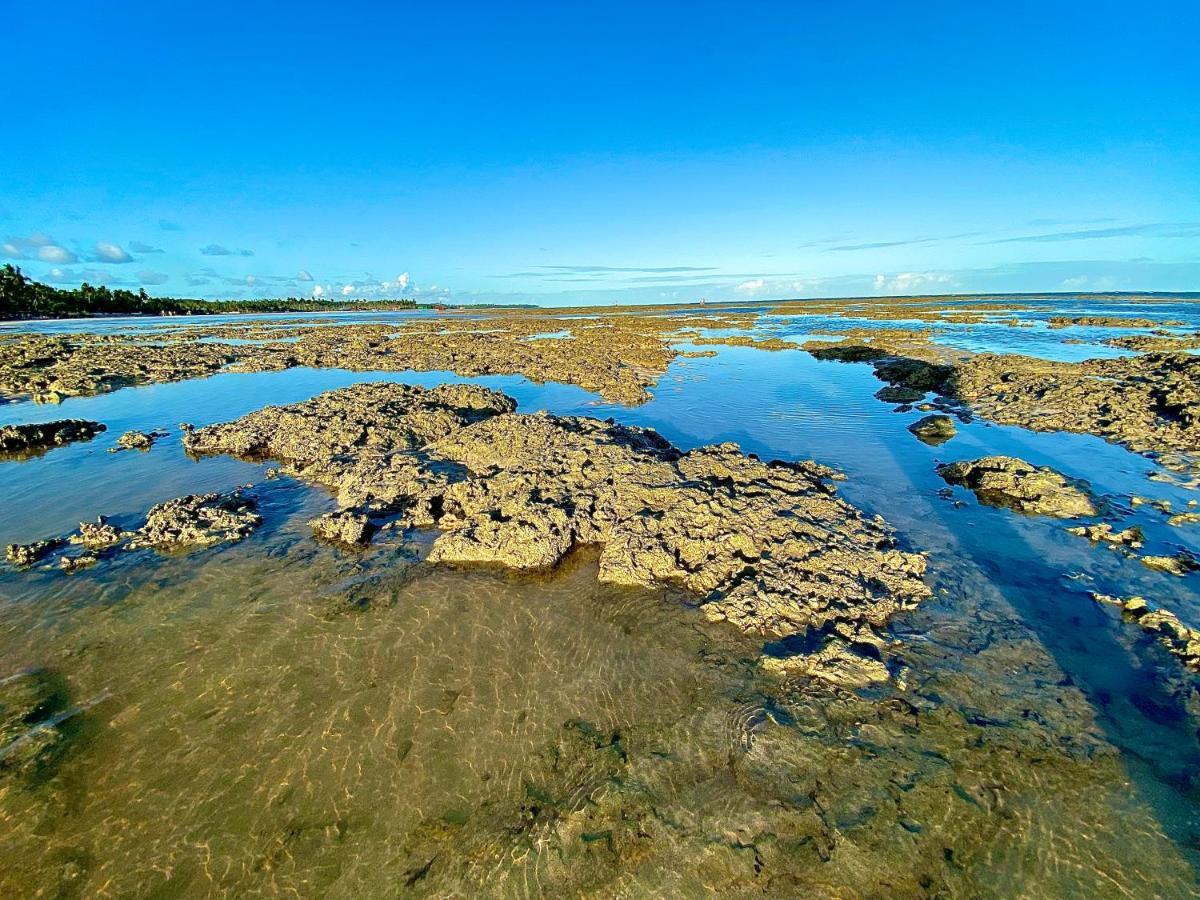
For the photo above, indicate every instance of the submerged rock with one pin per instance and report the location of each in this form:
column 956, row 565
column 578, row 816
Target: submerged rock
column 28, row 734
column 934, row 430
column 770, row 545
column 1179, row 639
column 31, row 440
column 197, row 520
column 344, row 527
column 1010, row 482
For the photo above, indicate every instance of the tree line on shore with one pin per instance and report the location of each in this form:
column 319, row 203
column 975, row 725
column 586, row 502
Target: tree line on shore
column 23, row 298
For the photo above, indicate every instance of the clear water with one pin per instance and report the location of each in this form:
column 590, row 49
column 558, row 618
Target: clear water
column 281, row 717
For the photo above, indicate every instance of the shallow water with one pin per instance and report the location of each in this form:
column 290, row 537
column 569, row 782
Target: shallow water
column 277, row 716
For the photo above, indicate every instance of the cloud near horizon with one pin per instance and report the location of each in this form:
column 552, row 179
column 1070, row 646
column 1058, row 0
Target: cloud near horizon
column 220, row 250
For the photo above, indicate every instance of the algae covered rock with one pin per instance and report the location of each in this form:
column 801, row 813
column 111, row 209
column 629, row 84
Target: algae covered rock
column 1016, row 484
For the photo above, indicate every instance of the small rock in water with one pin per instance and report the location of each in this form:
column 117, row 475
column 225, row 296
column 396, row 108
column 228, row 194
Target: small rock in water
column 1103, row 533
column 933, row 430
column 137, row 440
column 1010, row 482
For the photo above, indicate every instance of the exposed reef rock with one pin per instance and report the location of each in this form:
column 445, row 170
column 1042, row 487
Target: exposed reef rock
column 344, row 527
column 616, row 356
column 197, row 520
column 23, row 441
column 934, row 430
column 1010, row 482
column 98, row 535
column 1179, row 639
column 1108, row 322
column 27, row 554
column 194, row 521
column 769, row 545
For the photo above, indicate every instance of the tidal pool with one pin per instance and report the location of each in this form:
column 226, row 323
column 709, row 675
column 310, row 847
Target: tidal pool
column 277, row 716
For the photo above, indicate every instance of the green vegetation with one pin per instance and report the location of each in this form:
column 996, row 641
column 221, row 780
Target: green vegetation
column 23, row 298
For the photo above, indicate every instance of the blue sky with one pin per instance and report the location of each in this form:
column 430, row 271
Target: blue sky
column 562, row 153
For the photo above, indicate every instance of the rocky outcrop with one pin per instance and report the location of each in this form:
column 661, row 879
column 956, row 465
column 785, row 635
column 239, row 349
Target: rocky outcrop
column 768, row 545
column 23, row 441
column 1010, row 482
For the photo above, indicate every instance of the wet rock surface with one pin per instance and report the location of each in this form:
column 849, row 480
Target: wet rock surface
column 769, row 545
column 1013, row 483
column 23, row 441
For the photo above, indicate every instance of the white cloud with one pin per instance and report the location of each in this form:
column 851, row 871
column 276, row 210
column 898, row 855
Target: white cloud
column 753, row 286
column 348, row 289
column 37, row 246
column 111, row 253
column 317, row 290
column 402, row 281
column 304, row 275
column 1076, row 283
column 52, row 253
column 914, row 281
